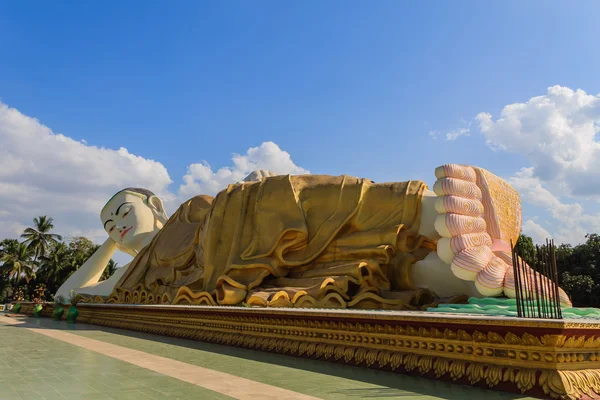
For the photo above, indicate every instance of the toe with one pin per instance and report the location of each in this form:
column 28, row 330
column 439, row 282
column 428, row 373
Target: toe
column 490, row 281
column 457, row 187
column 458, row 171
column 449, row 225
column 458, row 205
column 450, row 247
column 468, row 263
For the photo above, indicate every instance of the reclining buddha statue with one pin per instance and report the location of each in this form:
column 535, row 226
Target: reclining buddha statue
column 313, row 241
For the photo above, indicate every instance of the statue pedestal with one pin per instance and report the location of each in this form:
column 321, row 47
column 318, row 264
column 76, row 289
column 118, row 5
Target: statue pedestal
column 546, row 358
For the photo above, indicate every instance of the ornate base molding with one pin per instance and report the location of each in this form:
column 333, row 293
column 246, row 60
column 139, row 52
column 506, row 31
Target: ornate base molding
column 546, row 358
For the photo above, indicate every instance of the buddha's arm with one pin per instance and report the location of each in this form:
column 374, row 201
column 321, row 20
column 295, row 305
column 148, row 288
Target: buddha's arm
column 91, row 271
column 105, row 287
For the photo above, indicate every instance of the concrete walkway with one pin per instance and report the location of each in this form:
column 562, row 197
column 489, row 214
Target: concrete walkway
column 44, row 359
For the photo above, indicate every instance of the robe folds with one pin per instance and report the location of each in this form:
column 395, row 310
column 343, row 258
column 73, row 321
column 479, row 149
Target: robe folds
column 304, row 241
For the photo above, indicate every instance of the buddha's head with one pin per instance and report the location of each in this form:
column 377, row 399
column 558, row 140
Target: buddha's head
column 132, row 216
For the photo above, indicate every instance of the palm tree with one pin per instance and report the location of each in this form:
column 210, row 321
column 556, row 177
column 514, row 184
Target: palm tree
column 8, row 246
column 39, row 237
column 54, row 265
column 110, row 269
column 17, row 263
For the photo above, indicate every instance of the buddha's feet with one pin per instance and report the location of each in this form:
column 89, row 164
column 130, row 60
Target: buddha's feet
column 479, row 215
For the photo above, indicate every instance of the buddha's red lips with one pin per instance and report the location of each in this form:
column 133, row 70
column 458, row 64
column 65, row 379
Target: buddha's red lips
column 125, row 231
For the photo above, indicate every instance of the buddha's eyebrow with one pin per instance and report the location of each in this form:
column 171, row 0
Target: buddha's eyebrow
column 127, row 202
column 107, row 221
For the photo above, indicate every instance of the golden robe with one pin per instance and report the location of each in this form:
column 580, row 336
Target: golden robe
column 305, row 241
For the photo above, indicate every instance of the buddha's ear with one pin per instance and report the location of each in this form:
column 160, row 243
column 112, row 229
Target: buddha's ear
column 156, row 204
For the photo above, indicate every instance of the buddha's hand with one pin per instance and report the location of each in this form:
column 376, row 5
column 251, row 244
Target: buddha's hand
column 118, row 246
column 479, row 214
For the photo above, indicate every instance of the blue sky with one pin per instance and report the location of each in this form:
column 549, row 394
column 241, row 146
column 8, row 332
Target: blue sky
column 342, row 86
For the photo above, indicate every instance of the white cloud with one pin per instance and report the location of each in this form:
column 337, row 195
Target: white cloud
column 451, row 135
column 572, row 233
column 43, row 173
column 557, row 132
column 455, row 134
column 200, row 178
column 570, row 221
column 536, row 232
column 533, row 192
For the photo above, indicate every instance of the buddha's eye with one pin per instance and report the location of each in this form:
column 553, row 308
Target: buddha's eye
column 127, row 212
column 111, row 229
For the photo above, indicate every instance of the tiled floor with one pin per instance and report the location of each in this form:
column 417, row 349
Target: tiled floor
column 34, row 366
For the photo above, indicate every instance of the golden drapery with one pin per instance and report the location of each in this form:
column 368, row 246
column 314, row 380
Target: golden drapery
column 305, row 241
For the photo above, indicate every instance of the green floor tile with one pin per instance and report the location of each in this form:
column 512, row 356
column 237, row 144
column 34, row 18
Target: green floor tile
column 319, row 379
column 103, row 377
column 38, row 367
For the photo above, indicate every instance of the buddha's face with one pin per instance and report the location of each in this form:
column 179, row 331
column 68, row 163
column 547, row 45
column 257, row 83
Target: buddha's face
column 128, row 219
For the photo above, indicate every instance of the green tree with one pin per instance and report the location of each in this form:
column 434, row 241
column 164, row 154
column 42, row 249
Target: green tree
column 64, row 259
column 564, row 253
column 81, row 249
column 579, row 287
column 110, row 269
column 578, row 270
column 6, row 290
column 525, row 244
column 17, row 262
column 53, row 266
column 8, row 246
column 43, row 258
column 575, row 267
column 39, row 237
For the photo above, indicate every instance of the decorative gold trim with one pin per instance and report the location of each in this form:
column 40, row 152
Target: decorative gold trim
column 187, row 296
column 376, row 316
column 336, row 299
column 555, row 362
